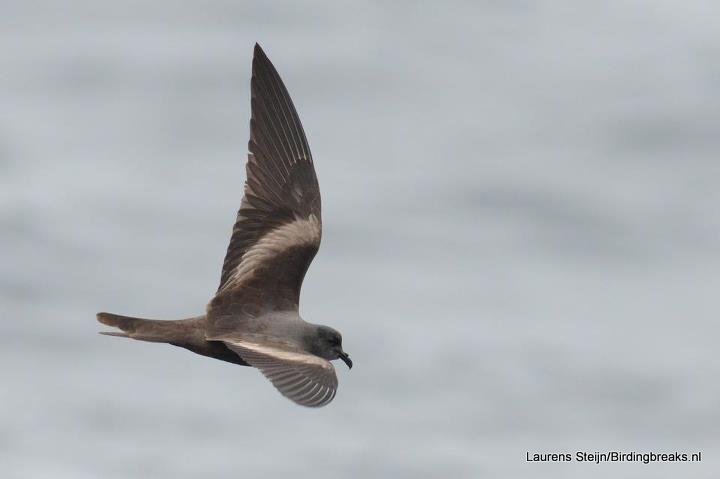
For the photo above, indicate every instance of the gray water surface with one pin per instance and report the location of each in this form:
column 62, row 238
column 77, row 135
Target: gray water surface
column 521, row 235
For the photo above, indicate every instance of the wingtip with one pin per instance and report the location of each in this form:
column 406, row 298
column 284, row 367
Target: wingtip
column 261, row 62
column 258, row 52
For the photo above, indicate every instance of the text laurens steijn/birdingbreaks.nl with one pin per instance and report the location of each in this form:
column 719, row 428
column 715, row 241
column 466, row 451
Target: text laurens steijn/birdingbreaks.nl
column 613, row 456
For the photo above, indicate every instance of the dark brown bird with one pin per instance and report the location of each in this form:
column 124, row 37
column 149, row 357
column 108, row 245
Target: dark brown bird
column 253, row 320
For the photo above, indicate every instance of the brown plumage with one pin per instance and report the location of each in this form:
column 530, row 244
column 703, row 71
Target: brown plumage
column 253, row 318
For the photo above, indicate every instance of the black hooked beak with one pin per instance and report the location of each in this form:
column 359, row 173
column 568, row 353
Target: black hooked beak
column 346, row 359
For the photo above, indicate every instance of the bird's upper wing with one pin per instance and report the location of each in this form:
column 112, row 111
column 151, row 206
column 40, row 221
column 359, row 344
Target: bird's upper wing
column 278, row 227
column 302, row 377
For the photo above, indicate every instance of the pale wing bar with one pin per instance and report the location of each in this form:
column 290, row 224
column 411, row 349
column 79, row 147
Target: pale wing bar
column 303, row 378
column 281, row 187
column 279, row 225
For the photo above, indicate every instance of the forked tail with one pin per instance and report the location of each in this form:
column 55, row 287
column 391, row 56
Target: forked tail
column 154, row 330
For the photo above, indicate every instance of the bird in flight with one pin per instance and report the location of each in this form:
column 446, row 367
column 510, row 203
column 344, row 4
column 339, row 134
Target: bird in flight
column 253, row 320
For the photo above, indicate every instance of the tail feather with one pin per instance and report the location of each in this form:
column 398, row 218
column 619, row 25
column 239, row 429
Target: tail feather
column 138, row 328
column 186, row 333
column 114, row 333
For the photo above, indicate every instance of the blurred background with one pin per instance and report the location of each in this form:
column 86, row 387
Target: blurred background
column 520, row 246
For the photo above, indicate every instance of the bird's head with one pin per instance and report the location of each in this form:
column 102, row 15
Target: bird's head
column 327, row 343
